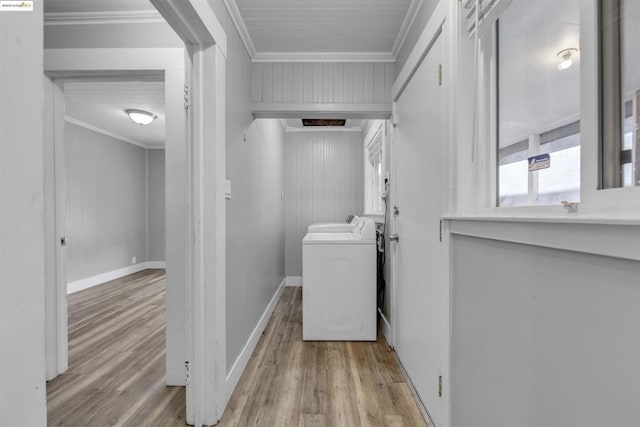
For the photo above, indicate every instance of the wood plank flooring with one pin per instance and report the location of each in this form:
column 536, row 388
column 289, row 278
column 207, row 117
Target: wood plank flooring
column 289, row 382
column 117, row 361
column 116, row 373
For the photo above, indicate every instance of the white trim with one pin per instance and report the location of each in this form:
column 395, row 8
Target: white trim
column 111, row 17
column 430, row 33
column 80, row 63
column 293, row 281
column 106, row 132
column 155, row 265
column 280, row 110
column 407, row 23
column 614, row 240
column 416, row 396
column 99, row 279
column 236, row 17
column 233, row 377
column 386, row 328
column 59, row 62
column 55, row 223
column 323, row 57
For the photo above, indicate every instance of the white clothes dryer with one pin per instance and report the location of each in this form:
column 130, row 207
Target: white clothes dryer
column 339, row 285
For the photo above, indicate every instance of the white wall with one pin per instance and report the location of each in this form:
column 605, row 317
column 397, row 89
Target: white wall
column 255, row 212
column 155, row 205
column 543, row 337
column 22, row 338
column 322, row 82
column 323, row 183
column 106, row 203
column 255, row 229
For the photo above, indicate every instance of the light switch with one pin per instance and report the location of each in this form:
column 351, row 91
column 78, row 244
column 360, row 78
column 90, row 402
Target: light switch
column 227, row 189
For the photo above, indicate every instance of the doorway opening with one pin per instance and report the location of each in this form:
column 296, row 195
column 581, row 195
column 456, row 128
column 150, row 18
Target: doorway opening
column 111, row 204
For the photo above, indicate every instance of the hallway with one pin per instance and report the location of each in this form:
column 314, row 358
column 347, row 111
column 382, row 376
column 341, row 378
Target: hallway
column 117, row 356
column 289, row 382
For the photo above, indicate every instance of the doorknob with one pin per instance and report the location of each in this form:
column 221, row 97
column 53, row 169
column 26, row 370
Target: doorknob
column 394, row 237
column 396, row 211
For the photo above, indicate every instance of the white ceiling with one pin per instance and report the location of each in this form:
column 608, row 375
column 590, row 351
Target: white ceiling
column 101, row 105
column 92, row 6
column 324, row 26
column 534, row 94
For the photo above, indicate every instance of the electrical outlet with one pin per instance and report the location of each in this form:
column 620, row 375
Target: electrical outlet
column 133, row 260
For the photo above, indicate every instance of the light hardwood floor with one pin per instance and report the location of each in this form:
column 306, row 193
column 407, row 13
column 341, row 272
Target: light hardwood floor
column 117, row 358
column 116, row 370
column 289, row 382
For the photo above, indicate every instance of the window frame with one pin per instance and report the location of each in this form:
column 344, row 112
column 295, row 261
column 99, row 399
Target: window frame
column 594, row 199
column 377, row 130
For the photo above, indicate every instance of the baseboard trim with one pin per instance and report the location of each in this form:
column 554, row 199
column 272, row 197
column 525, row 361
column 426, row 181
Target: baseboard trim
column 423, row 409
column 386, row 328
column 156, row 264
column 99, row 279
column 245, row 355
column 293, row 281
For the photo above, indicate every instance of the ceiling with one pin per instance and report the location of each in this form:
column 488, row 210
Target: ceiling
column 273, row 30
column 92, row 6
column 101, row 104
column 285, row 29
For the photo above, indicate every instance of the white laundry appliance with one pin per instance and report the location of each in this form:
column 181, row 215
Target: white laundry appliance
column 333, row 227
column 339, row 284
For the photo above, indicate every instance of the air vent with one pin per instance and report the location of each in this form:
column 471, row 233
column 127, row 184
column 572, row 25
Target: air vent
column 324, row 122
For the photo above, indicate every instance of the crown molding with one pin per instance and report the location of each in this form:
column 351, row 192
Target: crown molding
column 407, row 23
column 238, row 22
column 114, row 17
column 108, row 133
column 236, row 17
column 323, row 57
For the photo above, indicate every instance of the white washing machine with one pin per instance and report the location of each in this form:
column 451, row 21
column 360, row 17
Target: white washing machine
column 332, row 227
column 339, row 284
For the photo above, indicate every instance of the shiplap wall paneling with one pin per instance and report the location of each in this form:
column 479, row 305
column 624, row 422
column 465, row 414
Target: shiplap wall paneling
column 255, row 227
column 323, row 182
column 106, row 203
column 156, row 204
column 322, row 82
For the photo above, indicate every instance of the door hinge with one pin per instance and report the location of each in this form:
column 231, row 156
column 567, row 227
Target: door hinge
column 440, row 386
column 440, row 75
column 187, row 97
column 441, row 225
column 186, row 370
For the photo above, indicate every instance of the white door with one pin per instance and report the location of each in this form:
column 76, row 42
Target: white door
column 420, row 256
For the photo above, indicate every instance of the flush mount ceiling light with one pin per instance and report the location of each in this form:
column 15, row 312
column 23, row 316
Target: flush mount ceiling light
column 141, row 117
column 565, row 57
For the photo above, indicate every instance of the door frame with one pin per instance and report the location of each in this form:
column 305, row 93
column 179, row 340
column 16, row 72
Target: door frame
column 206, row 43
column 203, row 286
column 61, row 64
